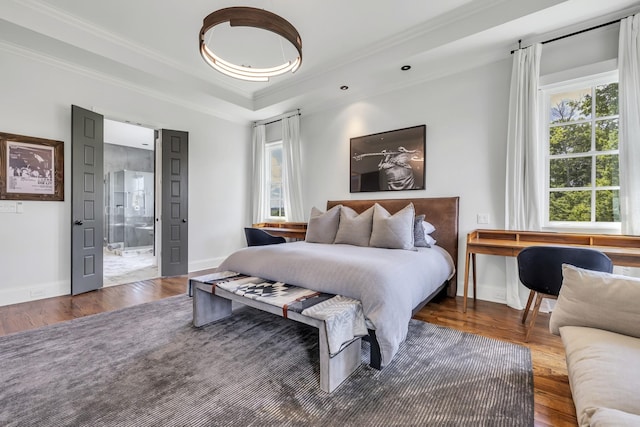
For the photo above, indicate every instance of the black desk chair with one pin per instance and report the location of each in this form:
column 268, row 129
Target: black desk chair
column 257, row 237
column 540, row 270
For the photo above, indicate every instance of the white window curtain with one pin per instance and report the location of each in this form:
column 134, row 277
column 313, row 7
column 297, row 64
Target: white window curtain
column 524, row 157
column 259, row 202
column 291, row 168
column 629, row 131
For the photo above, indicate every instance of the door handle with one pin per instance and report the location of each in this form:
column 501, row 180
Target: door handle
column 184, row 220
column 78, row 222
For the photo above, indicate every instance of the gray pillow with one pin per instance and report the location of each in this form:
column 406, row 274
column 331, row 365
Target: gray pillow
column 323, row 226
column 599, row 300
column 392, row 231
column 418, row 233
column 354, row 229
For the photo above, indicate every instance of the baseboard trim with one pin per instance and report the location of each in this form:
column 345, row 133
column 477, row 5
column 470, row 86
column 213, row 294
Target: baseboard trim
column 205, row 264
column 485, row 293
column 28, row 293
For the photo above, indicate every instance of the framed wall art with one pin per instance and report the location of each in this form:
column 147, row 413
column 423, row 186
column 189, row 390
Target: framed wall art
column 31, row 168
column 388, row 161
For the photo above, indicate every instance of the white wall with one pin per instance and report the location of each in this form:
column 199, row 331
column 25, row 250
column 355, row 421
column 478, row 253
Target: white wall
column 579, row 51
column 36, row 101
column 466, row 118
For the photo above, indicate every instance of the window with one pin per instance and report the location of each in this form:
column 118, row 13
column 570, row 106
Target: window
column 273, row 170
column 582, row 179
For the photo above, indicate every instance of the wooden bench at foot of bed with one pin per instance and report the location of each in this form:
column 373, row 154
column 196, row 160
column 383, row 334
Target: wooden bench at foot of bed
column 211, row 303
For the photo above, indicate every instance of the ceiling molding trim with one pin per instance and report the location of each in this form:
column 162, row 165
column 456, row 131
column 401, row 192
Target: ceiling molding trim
column 433, row 29
column 538, row 38
column 107, row 78
column 113, row 38
column 488, row 57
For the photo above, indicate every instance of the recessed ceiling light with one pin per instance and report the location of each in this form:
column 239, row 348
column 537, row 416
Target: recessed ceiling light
column 344, row 87
column 405, row 67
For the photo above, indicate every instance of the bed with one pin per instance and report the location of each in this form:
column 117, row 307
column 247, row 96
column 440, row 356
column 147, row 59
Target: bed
column 392, row 284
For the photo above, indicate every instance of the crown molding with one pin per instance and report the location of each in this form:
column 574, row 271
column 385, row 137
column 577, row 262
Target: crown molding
column 126, row 84
column 456, row 24
column 618, row 15
column 108, row 37
column 486, row 57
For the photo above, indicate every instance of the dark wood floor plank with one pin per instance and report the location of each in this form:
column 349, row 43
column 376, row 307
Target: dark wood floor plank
column 553, row 403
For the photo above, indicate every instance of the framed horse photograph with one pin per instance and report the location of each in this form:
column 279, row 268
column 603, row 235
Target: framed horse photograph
column 388, row 161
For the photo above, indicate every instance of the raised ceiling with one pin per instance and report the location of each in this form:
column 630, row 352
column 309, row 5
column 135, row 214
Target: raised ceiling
column 153, row 44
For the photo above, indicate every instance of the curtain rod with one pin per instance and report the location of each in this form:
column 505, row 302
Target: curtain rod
column 285, row 116
column 572, row 34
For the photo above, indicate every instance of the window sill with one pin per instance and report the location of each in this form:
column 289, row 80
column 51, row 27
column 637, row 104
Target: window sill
column 606, row 228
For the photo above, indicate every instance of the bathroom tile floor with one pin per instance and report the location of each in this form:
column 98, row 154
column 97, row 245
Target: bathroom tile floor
column 129, row 268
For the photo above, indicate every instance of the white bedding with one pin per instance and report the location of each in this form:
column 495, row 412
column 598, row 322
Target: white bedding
column 388, row 282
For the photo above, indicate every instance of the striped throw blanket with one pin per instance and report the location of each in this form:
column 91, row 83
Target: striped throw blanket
column 343, row 317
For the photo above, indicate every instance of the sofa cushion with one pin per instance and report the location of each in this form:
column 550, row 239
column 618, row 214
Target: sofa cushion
column 605, row 417
column 603, row 370
column 598, row 300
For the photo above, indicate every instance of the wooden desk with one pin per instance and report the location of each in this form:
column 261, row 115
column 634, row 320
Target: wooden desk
column 623, row 250
column 294, row 230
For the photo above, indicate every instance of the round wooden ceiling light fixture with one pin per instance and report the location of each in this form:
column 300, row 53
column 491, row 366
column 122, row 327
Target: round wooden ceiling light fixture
column 256, row 18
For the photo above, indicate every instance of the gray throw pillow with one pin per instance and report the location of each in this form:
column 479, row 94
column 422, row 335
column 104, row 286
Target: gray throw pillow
column 418, row 233
column 323, row 226
column 594, row 299
column 354, row 229
column 392, row 231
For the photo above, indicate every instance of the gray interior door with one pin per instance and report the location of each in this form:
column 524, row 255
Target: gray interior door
column 87, row 151
column 175, row 186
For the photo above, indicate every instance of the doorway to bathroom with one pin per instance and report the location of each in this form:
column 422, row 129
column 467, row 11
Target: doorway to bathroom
column 129, row 249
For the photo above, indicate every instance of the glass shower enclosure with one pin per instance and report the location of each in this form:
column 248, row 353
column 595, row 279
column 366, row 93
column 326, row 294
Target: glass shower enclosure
column 129, row 211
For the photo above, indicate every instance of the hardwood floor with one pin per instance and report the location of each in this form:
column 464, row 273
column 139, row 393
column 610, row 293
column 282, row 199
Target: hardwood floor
column 553, row 403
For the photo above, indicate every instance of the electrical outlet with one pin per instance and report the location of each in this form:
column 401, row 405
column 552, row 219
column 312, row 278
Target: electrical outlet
column 483, row 218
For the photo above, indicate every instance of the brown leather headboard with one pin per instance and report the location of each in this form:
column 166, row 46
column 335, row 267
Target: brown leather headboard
column 442, row 212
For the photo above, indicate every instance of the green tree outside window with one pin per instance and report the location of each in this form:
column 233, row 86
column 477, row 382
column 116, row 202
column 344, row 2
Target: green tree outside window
column 583, row 155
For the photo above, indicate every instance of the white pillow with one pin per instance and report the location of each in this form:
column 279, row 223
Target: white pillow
column 594, row 299
column 428, row 229
column 430, row 240
column 323, row 226
column 392, row 231
column 354, row 229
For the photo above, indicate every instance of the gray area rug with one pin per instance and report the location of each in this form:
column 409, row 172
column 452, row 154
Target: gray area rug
column 147, row 366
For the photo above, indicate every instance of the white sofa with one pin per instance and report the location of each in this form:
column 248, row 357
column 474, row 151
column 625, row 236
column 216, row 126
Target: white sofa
column 598, row 317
